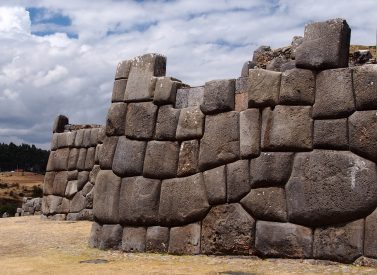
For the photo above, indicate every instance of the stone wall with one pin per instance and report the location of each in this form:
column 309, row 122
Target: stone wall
column 30, row 206
column 274, row 164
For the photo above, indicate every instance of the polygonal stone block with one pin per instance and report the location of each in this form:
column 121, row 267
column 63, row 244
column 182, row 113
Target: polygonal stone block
column 365, row 87
column 183, row 200
column 81, row 159
column 86, row 138
column 370, row 239
column 283, row 240
column 89, row 158
column 94, row 137
column 237, row 180
column 115, row 121
column 161, row 159
column 218, row 96
column 341, row 243
column 71, row 136
column 287, row 128
column 58, row 160
column 110, row 237
column 140, row 120
column 167, row 121
column 106, row 153
column 101, row 134
column 59, row 123
column 297, row 87
column 220, row 143
column 188, row 158
column 165, row 92
column 87, row 188
column 71, row 188
column 119, row 90
column 334, row 95
column 54, row 142
column 331, row 133
column 242, row 85
column 123, row 69
column 82, row 179
column 139, row 200
column 129, row 157
column 48, row 183
column 185, row 239
column 215, row 183
column 79, row 138
column 72, row 175
column 189, row 97
column 60, row 183
column 250, row 127
column 264, row 87
column 77, row 203
column 62, row 140
column 241, row 101
column 325, row 45
column 157, row 239
column 133, row 239
column 190, row 124
column 328, row 187
column 72, row 159
column 266, row 204
column 228, row 229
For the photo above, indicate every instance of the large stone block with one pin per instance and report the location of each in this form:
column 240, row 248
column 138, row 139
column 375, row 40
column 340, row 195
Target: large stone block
column 106, row 153
column 59, row 123
column 86, row 138
column 161, row 159
column 94, row 137
column 325, row 45
column 365, row 87
column 237, row 180
column 157, row 239
column 71, row 137
column 363, row 134
column 54, row 142
column 221, row 142
column 129, row 157
column 287, row 128
column 241, row 101
column 283, row 240
column 188, row 158
column 190, row 124
column 250, row 126
column 264, row 87
column 297, row 87
column 228, row 229
column 165, row 92
column 59, row 159
column 167, row 121
column 123, row 69
column 71, row 189
column 72, row 158
column 370, row 239
column 48, row 183
column 140, row 120
column 183, row 200
column 119, row 90
column 139, row 201
column 331, row 134
column 266, row 204
column 111, row 236
column 133, row 239
column 116, row 118
column 328, row 187
column 341, row 243
column 215, row 183
column 60, row 183
column 185, row 239
column 81, row 159
column 271, row 169
column 189, row 97
column 82, row 179
column 106, row 196
column 89, row 158
column 334, row 96
column 95, row 235
column 77, row 203
column 218, row 96
column 79, row 138
column 62, row 140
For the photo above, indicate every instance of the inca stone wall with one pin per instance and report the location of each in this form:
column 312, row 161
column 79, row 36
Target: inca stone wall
column 30, row 206
column 274, row 164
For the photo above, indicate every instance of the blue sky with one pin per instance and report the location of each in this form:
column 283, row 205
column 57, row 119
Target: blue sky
column 59, row 57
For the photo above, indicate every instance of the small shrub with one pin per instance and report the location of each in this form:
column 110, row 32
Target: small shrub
column 37, row 192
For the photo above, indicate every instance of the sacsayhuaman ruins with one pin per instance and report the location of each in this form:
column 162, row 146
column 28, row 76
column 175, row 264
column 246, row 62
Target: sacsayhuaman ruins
column 277, row 163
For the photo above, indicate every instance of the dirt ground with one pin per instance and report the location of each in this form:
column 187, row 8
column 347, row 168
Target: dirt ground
column 29, row 245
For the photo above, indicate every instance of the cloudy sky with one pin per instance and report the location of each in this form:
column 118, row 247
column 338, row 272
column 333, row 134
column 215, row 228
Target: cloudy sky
column 59, row 57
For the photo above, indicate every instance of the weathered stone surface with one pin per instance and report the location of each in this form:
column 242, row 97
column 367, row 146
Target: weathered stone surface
column 48, row 183
column 188, row 158
column 237, row 180
column 95, row 235
column 81, row 159
column 59, row 123
column 342, row 243
column 287, row 128
column 119, row 90
column 111, row 236
column 185, row 239
column 215, row 183
column 77, row 203
column 331, row 134
column 250, row 127
column 362, row 134
column 55, row 204
column 129, row 157
column 106, row 153
column 87, row 188
column 220, row 143
column 264, row 87
column 93, row 174
column 271, row 169
column 370, row 239
column 246, row 67
column 218, row 96
column 283, row 240
column 167, row 121
column 71, row 137
column 181, row 99
column 141, row 81
column 59, row 159
column 86, row 138
column 133, row 239
column 60, row 183
column 54, row 142
column 94, row 137
column 72, row 158
column 140, row 120
column 325, row 45
column 62, row 139
column 96, row 155
column 165, row 92
column 334, row 95
column 82, row 179
column 71, row 188
column 328, row 187
column 139, row 200
column 228, row 229
column 89, row 158
column 183, row 200
column 297, row 87
column 106, row 196
column 241, row 101
column 365, row 87
column 79, row 138
column 157, row 239
column 161, row 159
column 123, row 69
column 266, row 204
column 365, row 261
column 115, row 121
column 190, row 124
column 101, row 134
column 189, row 97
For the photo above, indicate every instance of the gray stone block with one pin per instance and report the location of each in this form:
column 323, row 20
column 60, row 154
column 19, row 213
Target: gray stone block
column 237, row 180
column 287, row 128
column 370, row 239
column 283, row 240
column 72, row 175
column 129, row 157
column 365, row 87
column 82, row 179
column 167, row 121
column 101, row 134
column 264, row 88
column 140, row 120
column 181, row 99
column 71, row 188
column 106, row 196
column 72, row 159
column 189, row 97
column 119, row 90
column 157, row 239
column 190, row 124
column 334, row 96
column 71, row 137
column 139, row 201
column 59, row 159
column 161, row 159
column 218, row 96
column 87, row 188
column 116, row 119
column 79, row 138
column 94, row 137
column 59, row 123
column 266, row 204
column 215, row 183
column 62, row 140
column 89, row 158
column 111, row 236
column 165, row 92
column 188, row 158
column 329, row 187
column 297, row 87
column 77, row 203
column 246, row 67
column 60, row 183
column 341, row 243
column 48, row 183
column 331, row 134
column 54, row 142
column 81, row 159
column 241, row 101
column 133, row 239
column 185, row 239
column 123, row 69
column 106, row 153
column 325, row 45
column 93, row 174
column 220, row 143
column 183, row 200
column 86, row 138
column 95, row 235
column 250, row 127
